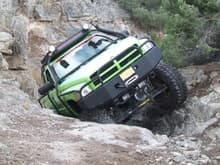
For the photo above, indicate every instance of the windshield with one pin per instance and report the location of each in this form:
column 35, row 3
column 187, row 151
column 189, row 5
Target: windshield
column 79, row 55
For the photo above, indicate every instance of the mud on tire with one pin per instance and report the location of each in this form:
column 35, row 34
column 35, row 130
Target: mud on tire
column 176, row 92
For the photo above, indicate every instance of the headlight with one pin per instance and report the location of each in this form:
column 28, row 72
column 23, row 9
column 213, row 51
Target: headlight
column 147, row 46
column 85, row 91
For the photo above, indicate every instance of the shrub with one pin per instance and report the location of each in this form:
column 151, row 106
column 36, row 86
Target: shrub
column 184, row 23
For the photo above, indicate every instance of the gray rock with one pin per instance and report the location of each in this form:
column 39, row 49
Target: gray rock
column 178, row 157
column 5, row 37
column 204, row 159
column 192, row 154
column 213, row 75
column 101, row 10
column 20, row 30
column 3, row 63
column 25, row 128
column 48, row 12
column 7, row 11
column 73, row 10
column 6, row 43
column 54, row 138
column 41, row 36
column 205, row 107
column 194, row 76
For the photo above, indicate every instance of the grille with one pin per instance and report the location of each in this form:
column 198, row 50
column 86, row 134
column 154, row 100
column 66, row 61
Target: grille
column 127, row 60
column 100, row 76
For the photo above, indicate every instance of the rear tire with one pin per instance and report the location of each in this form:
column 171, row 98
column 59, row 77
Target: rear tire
column 176, row 92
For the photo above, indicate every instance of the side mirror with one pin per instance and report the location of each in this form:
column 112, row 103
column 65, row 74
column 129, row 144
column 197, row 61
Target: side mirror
column 45, row 88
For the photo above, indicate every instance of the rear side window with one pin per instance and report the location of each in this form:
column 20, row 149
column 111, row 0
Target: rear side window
column 48, row 76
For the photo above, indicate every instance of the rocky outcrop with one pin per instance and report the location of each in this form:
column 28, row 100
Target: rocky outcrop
column 31, row 135
column 3, row 63
column 19, row 26
column 6, row 46
column 28, row 27
column 6, row 43
column 35, row 24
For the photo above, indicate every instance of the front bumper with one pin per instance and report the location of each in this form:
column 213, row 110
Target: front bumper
column 105, row 94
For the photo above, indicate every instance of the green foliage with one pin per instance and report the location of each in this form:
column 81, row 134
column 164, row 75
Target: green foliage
column 184, row 24
column 170, row 45
column 149, row 19
column 145, row 13
column 206, row 6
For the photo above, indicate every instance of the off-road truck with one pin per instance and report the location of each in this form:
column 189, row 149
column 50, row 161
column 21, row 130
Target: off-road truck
column 100, row 69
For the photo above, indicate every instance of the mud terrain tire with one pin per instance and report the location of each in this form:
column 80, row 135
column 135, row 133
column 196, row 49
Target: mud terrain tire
column 176, row 92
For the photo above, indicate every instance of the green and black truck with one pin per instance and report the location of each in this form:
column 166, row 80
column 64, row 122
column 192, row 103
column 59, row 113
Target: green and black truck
column 97, row 68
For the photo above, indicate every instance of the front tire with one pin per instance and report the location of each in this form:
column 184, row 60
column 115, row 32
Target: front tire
column 176, row 90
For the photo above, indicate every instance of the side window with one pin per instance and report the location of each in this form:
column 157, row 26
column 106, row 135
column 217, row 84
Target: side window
column 48, row 76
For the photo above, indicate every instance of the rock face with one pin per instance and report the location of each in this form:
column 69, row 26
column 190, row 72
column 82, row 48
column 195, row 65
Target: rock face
column 19, row 28
column 28, row 27
column 3, row 63
column 54, row 20
column 201, row 108
column 6, row 44
column 31, row 135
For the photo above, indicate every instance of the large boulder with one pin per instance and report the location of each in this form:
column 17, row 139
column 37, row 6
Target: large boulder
column 29, row 134
column 20, row 28
column 6, row 43
column 7, row 11
column 6, row 48
column 3, row 63
column 201, row 109
column 49, row 12
column 37, row 135
column 102, row 10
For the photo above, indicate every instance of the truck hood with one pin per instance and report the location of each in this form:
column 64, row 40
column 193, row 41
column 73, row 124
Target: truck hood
column 92, row 66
